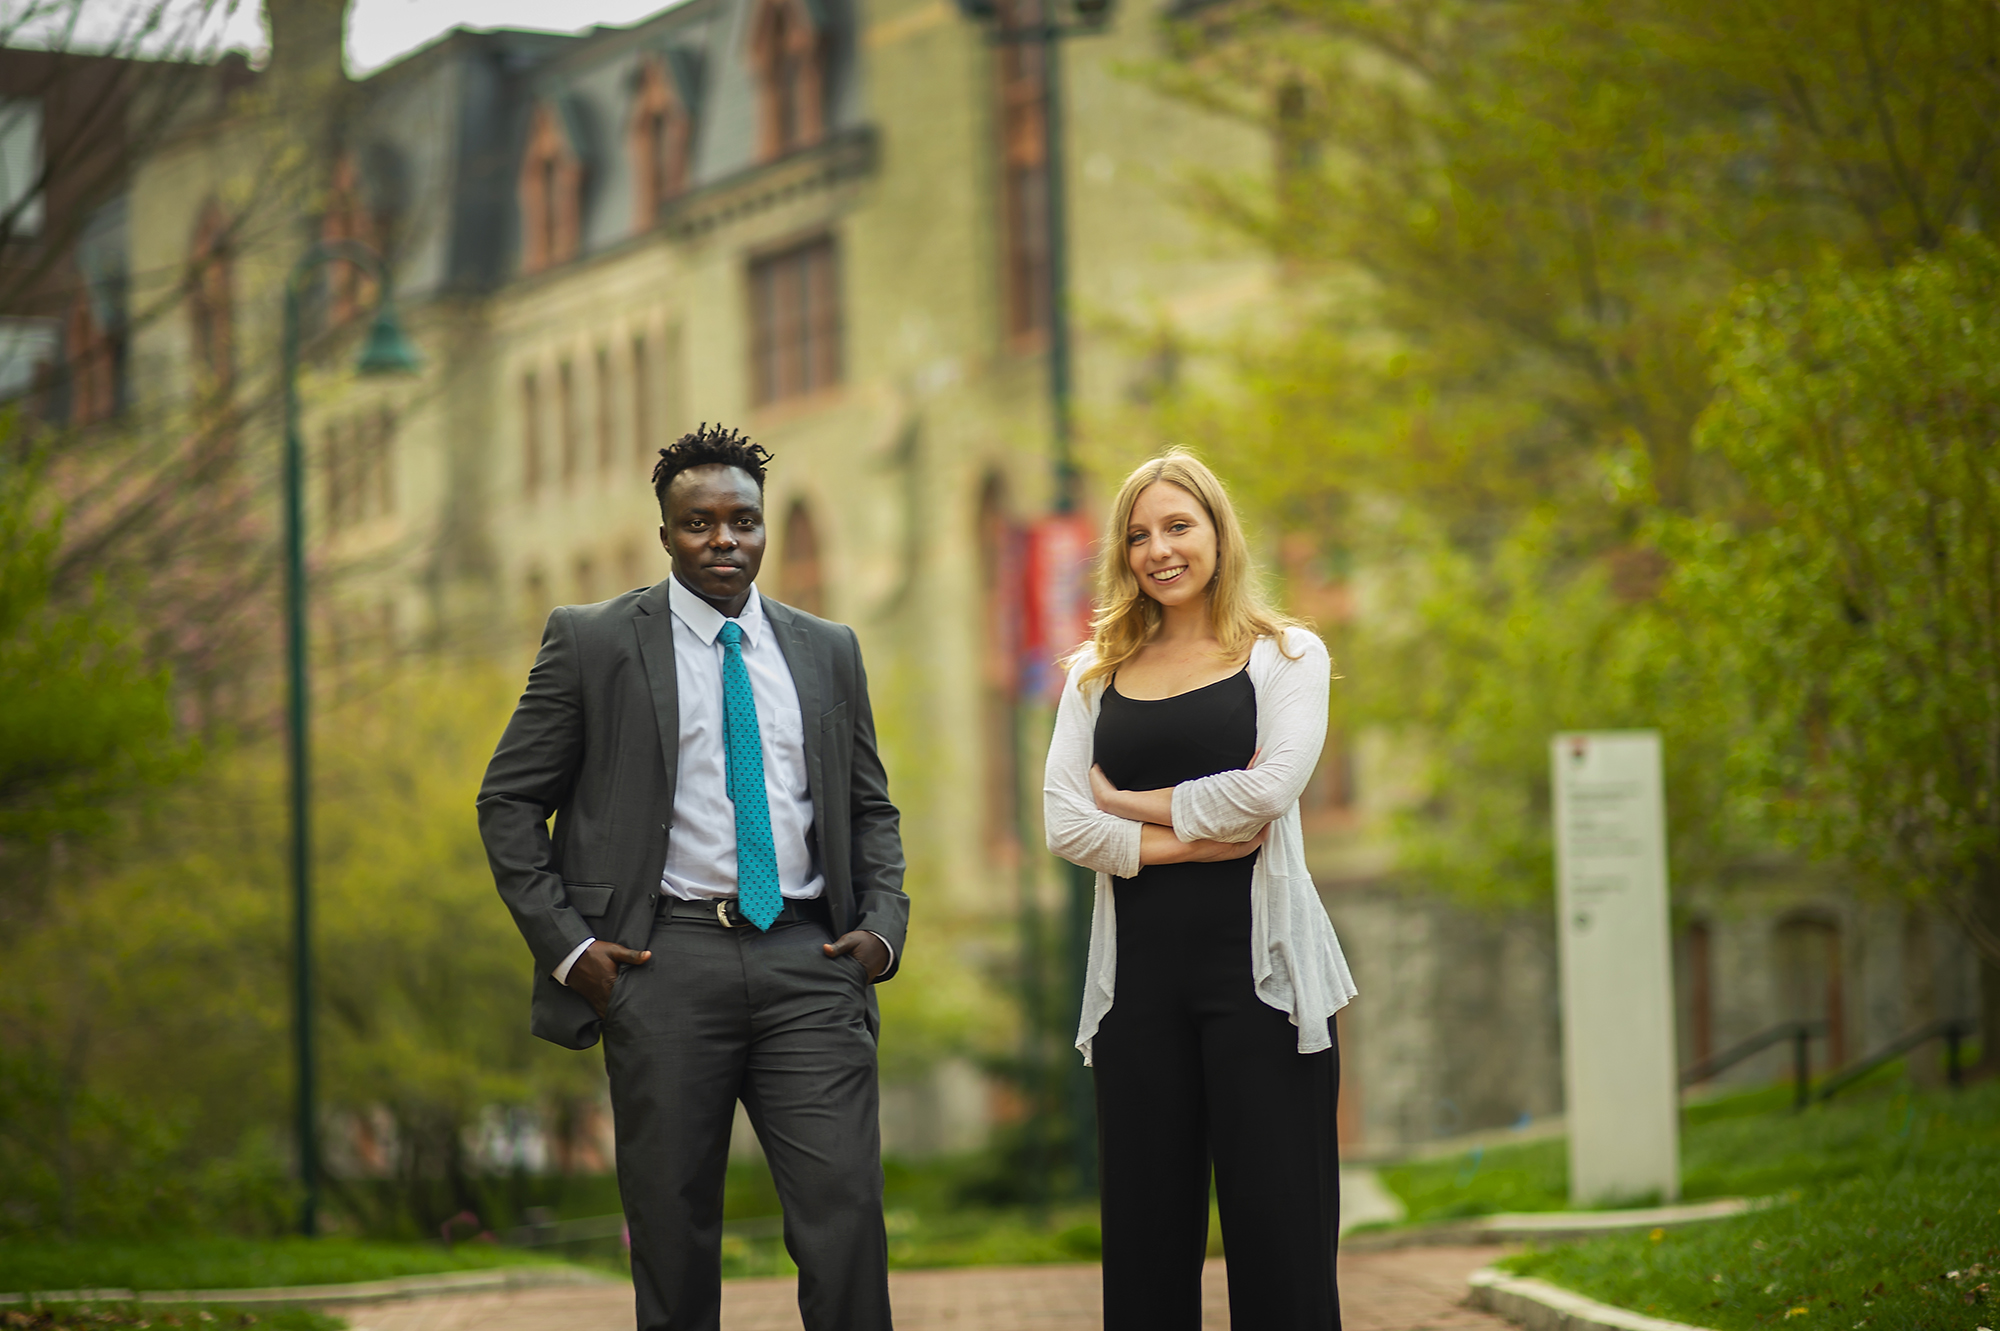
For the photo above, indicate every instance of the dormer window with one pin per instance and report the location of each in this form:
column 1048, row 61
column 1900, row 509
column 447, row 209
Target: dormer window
column 348, row 218
column 551, row 194
column 788, row 51
column 660, row 138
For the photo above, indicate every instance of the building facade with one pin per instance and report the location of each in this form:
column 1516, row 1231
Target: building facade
column 818, row 220
column 821, row 221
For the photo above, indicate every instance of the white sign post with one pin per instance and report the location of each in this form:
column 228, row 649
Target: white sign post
column 1619, row 1077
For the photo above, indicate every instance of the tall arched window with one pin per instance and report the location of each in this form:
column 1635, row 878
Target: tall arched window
column 642, row 398
column 551, row 194
column 999, row 655
column 606, row 420
column 93, row 364
column 531, row 435
column 211, row 301
column 788, row 51
column 1024, row 177
column 569, row 432
column 801, row 580
column 660, row 137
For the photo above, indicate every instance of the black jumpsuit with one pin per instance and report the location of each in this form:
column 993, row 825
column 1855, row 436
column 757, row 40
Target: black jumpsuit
column 1192, row 1067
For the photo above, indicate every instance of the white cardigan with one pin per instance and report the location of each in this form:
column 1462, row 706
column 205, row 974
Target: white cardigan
column 1296, row 964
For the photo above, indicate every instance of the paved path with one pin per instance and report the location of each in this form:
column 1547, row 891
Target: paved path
column 1404, row 1289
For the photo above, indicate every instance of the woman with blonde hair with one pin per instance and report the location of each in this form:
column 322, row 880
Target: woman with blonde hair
column 1188, row 727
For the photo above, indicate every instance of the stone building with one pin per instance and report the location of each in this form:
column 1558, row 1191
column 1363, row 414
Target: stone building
column 815, row 219
column 820, row 220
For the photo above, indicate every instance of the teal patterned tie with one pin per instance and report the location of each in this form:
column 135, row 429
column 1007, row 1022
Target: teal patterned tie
column 756, row 863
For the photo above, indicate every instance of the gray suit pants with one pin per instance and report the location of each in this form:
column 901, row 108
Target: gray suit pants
column 723, row 1014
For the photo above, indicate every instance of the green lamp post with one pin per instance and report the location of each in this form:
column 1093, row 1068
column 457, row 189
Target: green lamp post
column 386, row 351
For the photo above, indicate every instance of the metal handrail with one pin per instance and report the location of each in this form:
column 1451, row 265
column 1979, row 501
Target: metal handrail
column 543, row 1233
column 1952, row 1030
column 547, row 1233
column 1798, row 1032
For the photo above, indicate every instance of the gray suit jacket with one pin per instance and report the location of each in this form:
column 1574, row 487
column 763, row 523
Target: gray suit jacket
column 595, row 741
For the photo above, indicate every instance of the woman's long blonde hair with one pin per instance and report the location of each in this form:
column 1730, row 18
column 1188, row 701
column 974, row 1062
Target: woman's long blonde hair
column 1127, row 618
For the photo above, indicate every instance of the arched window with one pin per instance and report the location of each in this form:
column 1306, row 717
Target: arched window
column 603, row 417
column 1807, row 952
column 348, row 218
column 800, row 578
column 999, row 655
column 531, row 435
column 211, row 302
column 551, row 194
column 660, row 137
column 642, row 398
column 788, row 53
column 93, row 364
column 569, row 433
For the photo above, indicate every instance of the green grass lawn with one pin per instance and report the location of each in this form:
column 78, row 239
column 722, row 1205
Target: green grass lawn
column 1748, row 1145
column 227, row 1263
column 1892, row 1222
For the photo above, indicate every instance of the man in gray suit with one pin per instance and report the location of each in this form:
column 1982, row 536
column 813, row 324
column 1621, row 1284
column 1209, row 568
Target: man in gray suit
column 722, row 889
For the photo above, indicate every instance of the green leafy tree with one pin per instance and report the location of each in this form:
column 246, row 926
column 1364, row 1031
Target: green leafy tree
column 88, row 719
column 1504, row 228
column 1560, row 645
column 145, row 1050
column 1510, row 221
column 1856, row 586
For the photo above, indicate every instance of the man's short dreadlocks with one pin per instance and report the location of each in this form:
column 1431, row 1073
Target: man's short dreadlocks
column 703, row 447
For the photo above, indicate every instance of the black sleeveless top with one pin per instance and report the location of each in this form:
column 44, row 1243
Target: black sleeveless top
column 1151, row 745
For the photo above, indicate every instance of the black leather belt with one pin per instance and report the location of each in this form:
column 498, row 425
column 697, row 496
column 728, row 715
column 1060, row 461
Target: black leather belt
column 727, row 913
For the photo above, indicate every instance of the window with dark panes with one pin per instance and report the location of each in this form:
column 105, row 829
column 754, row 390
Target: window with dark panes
column 795, row 322
column 566, row 423
column 531, row 435
column 607, row 426
column 642, row 399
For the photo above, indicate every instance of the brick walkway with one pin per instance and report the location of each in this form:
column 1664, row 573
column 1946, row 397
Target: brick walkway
column 1405, row 1289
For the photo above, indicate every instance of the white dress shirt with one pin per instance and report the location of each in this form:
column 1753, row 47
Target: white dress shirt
column 701, row 848
column 1296, row 964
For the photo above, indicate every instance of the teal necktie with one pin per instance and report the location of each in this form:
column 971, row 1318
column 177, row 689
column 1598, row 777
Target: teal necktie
column 756, row 863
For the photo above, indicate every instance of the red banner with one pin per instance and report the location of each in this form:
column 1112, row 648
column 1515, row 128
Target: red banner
column 1055, row 601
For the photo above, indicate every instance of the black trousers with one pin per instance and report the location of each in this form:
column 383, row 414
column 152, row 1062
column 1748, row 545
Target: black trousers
column 720, row 1015
column 1193, row 1068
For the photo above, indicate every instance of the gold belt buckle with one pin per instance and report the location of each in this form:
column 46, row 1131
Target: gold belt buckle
column 722, row 912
